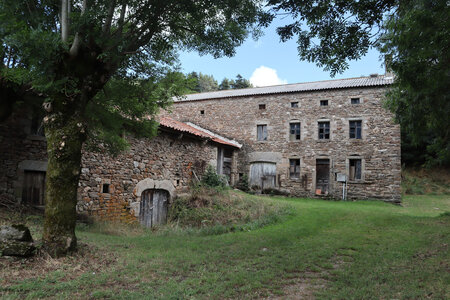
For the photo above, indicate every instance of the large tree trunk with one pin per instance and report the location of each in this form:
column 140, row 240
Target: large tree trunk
column 64, row 130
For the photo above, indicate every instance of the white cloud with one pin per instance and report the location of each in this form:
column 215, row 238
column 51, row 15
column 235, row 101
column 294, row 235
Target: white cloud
column 264, row 76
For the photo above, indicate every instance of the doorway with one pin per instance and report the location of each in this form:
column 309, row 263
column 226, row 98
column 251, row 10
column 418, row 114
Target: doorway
column 263, row 175
column 33, row 191
column 322, row 176
column 153, row 207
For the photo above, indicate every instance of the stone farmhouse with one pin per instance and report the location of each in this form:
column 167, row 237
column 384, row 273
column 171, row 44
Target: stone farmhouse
column 137, row 185
column 320, row 139
column 304, row 139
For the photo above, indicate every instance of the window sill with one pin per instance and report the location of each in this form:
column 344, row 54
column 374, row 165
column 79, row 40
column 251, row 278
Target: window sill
column 324, row 141
column 359, row 181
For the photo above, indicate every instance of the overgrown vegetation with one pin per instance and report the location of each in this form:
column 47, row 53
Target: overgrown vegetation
column 339, row 250
column 218, row 210
column 426, row 181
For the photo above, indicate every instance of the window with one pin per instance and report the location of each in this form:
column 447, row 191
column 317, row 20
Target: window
column 355, row 129
column 261, row 132
column 294, row 168
column 262, row 106
column 294, row 131
column 37, row 125
column 355, row 101
column 294, row 104
column 323, row 102
column 324, row 130
column 105, row 188
column 355, row 169
column 202, row 112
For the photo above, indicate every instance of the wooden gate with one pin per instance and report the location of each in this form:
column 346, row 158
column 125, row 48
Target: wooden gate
column 322, row 176
column 153, row 207
column 263, row 175
column 33, row 190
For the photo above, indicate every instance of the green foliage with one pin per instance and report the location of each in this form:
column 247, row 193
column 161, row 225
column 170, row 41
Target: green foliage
column 212, row 179
column 243, row 183
column 413, row 35
column 219, row 211
column 240, row 83
column 417, row 39
column 330, row 33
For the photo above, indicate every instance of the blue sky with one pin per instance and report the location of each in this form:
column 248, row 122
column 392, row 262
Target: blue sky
column 275, row 56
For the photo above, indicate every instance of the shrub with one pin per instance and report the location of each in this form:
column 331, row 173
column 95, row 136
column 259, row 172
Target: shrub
column 243, row 183
column 212, row 179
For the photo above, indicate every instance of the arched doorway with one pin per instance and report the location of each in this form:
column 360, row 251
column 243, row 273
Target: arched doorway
column 153, row 207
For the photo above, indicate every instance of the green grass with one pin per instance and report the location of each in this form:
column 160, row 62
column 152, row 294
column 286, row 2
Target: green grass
column 360, row 250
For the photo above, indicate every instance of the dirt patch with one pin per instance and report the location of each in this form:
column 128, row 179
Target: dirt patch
column 305, row 286
column 86, row 259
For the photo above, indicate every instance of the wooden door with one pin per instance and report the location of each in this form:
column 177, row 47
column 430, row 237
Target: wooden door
column 263, row 175
column 33, row 191
column 153, row 207
column 323, row 175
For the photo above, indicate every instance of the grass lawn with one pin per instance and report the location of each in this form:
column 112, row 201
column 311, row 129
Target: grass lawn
column 323, row 249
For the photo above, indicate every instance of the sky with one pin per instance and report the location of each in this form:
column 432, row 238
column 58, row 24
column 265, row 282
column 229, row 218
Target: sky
column 268, row 61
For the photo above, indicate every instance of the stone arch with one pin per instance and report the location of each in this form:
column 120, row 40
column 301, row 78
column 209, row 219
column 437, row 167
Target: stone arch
column 151, row 184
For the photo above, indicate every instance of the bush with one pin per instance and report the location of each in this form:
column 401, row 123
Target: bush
column 212, row 179
column 243, row 183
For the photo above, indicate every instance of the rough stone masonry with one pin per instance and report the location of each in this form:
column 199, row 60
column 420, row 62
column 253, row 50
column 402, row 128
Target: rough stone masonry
column 283, row 130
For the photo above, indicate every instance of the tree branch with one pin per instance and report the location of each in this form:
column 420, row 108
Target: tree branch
column 64, row 20
column 109, row 17
column 77, row 40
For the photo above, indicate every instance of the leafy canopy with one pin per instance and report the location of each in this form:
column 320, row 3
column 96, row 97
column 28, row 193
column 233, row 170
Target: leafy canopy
column 115, row 60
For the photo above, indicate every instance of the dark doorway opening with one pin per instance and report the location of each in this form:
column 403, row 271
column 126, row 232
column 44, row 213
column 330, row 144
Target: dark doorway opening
column 33, row 191
column 322, row 176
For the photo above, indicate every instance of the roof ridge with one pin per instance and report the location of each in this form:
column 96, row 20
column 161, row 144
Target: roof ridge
column 288, row 84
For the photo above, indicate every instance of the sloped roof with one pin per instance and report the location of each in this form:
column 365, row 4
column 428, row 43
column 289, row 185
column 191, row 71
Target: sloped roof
column 379, row 80
column 197, row 131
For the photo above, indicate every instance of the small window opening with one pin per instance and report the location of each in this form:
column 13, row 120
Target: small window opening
column 323, row 102
column 294, row 132
column 261, row 132
column 294, row 104
column 262, row 106
column 202, row 112
column 355, row 101
column 105, row 188
column 294, row 168
column 355, row 169
column 178, row 182
column 324, row 130
column 355, row 129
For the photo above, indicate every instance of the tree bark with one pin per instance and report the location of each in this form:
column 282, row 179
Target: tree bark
column 65, row 136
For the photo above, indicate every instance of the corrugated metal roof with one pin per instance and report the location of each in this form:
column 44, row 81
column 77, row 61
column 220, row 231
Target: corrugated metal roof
column 379, row 80
column 197, row 131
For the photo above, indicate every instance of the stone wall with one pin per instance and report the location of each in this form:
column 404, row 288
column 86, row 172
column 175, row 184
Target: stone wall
column 19, row 151
column 379, row 148
column 167, row 161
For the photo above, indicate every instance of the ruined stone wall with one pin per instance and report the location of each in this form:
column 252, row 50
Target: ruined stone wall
column 379, row 148
column 166, row 158
column 169, row 159
column 19, row 150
